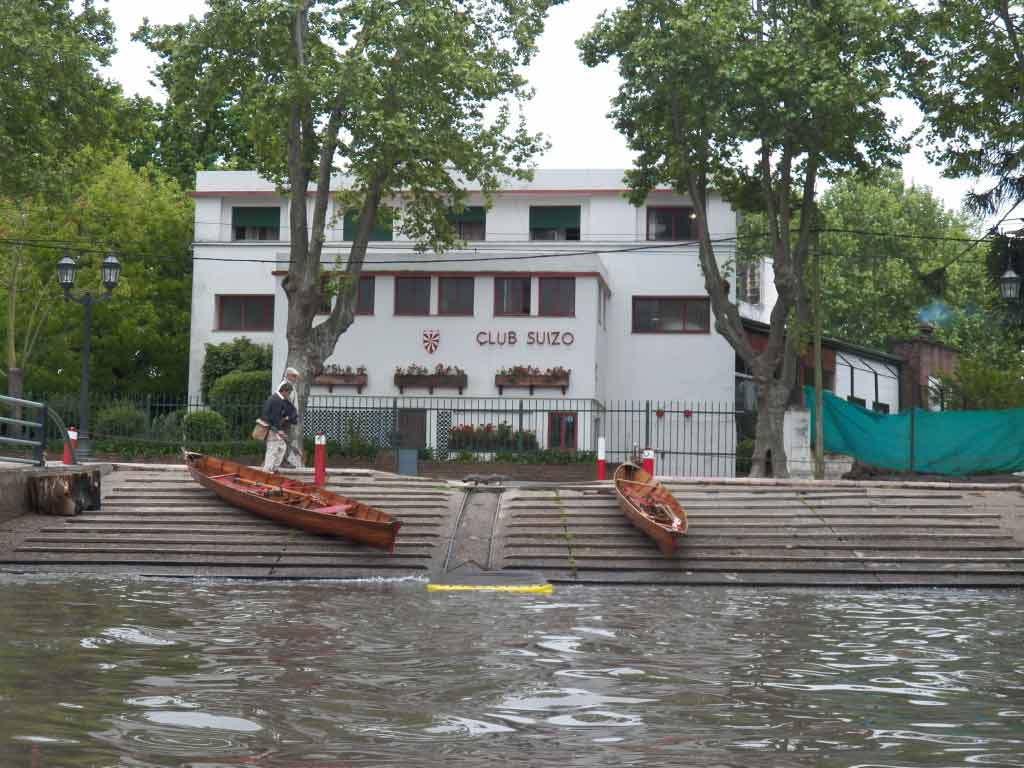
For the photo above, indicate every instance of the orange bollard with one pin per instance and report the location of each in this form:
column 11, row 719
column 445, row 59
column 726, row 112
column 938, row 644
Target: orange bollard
column 320, row 459
column 73, row 439
column 648, row 461
column 600, row 458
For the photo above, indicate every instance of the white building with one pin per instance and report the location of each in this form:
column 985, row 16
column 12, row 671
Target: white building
column 561, row 271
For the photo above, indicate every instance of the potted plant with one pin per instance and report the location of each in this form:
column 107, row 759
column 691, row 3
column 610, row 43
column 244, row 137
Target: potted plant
column 335, row 376
column 443, row 376
column 530, row 376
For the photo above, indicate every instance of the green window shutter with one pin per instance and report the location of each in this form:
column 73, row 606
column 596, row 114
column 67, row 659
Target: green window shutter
column 256, row 217
column 475, row 214
column 554, row 217
column 379, row 232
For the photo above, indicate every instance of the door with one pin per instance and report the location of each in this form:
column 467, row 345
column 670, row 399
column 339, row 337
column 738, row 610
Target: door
column 412, row 426
column 562, row 430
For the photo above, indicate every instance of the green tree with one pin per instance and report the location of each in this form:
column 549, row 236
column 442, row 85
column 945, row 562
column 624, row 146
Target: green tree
column 969, row 82
column 802, row 83
column 892, row 257
column 52, row 98
column 409, row 99
column 140, row 337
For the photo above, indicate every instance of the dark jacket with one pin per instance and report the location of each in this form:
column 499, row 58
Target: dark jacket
column 279, row 413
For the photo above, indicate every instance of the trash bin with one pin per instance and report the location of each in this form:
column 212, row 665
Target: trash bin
column 407, row 461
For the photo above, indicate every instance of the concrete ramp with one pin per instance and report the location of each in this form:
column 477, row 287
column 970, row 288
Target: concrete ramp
column 158, row 521
column 776, row 534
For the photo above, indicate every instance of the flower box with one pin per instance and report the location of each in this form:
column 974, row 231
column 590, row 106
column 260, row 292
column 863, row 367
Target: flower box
column 332, row 380
column 531, row 380
column 431, row 381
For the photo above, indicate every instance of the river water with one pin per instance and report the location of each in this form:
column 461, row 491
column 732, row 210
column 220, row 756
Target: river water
column 139, row 673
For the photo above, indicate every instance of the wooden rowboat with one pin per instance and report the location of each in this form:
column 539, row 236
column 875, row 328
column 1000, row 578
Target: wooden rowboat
column 650, row 507
column 294, row 503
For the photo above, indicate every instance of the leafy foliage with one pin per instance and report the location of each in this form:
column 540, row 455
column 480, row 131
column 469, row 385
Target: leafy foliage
column 119, row 420
column 979, row 386
column 967, row 79
column 140, row 337
column 410, row 99
column 53, row 100
column 234, row 356
column 249, row 388
column 205, row 426
column 802, row 84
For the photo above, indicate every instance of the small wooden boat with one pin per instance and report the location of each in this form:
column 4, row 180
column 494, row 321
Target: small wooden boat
column 294, row 503
column 650, row 507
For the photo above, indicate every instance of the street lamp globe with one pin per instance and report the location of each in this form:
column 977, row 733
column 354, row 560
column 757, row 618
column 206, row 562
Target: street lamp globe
column 1009, row 284
column 66, row 270
column 110, row 270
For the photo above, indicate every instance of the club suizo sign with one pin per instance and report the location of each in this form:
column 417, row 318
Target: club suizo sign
column 530, row 338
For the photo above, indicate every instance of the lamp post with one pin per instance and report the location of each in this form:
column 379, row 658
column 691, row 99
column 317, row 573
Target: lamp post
column 1009, row 283
column 67, row 270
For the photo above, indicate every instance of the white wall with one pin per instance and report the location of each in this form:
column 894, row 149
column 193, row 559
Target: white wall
column 857, row 374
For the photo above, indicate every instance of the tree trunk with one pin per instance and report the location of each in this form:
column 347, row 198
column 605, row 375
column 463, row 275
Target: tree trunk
column 769, row 457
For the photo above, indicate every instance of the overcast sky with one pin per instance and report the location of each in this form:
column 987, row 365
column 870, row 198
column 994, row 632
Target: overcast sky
column 569, row 107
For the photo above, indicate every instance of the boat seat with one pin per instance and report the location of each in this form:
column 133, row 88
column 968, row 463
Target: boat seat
column 337, row 509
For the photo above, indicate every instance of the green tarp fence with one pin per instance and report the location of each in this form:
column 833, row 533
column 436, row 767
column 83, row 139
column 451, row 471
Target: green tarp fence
column 943, row 443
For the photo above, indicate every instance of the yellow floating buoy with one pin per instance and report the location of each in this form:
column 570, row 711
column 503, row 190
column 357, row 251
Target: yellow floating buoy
column 540, row 589
column 491, row 581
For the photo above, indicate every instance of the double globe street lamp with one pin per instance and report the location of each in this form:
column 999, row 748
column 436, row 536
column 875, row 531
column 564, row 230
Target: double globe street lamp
column 67, row 270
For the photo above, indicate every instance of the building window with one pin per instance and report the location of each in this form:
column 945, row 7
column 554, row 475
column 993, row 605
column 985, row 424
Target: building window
column 367, row 291
column 671, row 314
column 554, row 222
column 455, row 296
column 675, row 223
column 379, row 233
column 748, row 282
column 256, row 223
column 245, row 313
column 857, row 401
column 557, row 296
column 511, row 296
column 470, row 224
column 880, row 407
column 364, row 297
column 562, row 431
column 412, row 295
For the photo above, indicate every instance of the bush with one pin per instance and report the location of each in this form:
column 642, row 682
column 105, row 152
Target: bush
column 233, row 356
column 205, row 426
column 744, row 456
column 491, row 438
column 169, row 426
column 239, row 397
column 120, row 419
column 551, row 456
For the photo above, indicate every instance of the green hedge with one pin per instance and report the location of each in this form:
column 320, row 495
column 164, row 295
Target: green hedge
column 204, row 426
column 120, row 419
column 239, row 398
column 232, row 356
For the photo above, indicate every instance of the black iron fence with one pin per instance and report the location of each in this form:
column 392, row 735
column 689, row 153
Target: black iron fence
column 689, row 439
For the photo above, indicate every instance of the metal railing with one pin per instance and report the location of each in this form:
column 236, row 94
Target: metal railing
column 688, row 438
column 33, row 433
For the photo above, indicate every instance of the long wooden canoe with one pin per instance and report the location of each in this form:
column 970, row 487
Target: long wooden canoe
column 294, row 503
column 650, row 507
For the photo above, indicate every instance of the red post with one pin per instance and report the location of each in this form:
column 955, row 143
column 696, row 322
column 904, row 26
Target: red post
column 600, row 458
column 73, row 439
column 648, row 461
column 320, row 459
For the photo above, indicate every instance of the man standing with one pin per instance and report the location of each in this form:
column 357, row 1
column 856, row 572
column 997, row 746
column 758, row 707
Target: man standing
column 280, row 414
column 294, row 433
